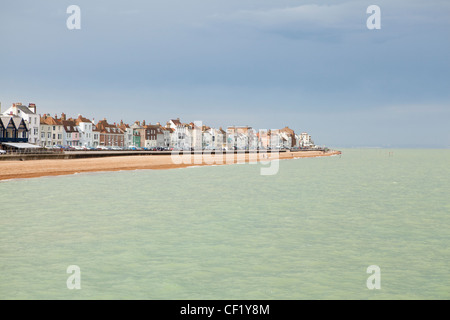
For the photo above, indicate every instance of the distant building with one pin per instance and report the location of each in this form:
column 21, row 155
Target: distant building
column 85, row 128
column 53, row 129
column 179, row 135
column 95, row 136
column 136, row 127
column 305, row 141
column 127, row 134
column 289, row 137
column 110, row 134
column 28, row 113
column 153, row 135
column 71, row 136
column 166, row 136
column 195, row 135
column 13, row 129
column 241, row 138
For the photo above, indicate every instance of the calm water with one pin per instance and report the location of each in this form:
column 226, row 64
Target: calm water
column 226, row 232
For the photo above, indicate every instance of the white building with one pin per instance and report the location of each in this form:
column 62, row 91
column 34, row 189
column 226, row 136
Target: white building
column 180, row 137
column 127, row 134
column 85, row 128
column 166, row 136
column 29, row 115
column 196, row 135
column 304, row 140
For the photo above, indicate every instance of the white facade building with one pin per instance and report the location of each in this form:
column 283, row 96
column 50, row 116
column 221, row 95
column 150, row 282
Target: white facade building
column 85, row 128
column 27, row 113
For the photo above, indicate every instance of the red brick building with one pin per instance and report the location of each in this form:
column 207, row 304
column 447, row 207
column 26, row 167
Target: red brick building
column 110, row 134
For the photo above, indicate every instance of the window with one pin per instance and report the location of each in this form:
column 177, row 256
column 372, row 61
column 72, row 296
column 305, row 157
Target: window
column 49, row 135
column 54, row 128
column 42, row 135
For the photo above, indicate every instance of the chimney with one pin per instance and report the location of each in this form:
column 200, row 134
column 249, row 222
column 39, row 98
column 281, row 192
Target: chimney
column 121, row 122
column 143, row 122
column 158, row 124
column 63, row 116
column 32, row 107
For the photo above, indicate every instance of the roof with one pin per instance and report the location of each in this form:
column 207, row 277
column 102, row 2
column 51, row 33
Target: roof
column 24, row 109
column 82, row 119
column 104, row 127
column 51, row 121
column 70, row 126
column 124, row 127
column 22, row 145
column 288, row 130
column 176, row 122
column 4, row 120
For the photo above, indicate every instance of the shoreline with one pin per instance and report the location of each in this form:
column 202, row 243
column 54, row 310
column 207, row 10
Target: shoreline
column 11, row 170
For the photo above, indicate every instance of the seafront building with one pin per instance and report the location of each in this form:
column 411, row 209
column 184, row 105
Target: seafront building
column 85, row 128
column 305, row 141
column 27, row 113
column 53, row 130
column 136, row 127
column 110, row 134
column 22, row 124
column 179, row 138
column 71, row 134
column 13, row 129
column 153, row 136
column 127, row 134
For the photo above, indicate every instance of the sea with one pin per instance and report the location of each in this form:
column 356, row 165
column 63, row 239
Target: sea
column 366, row 224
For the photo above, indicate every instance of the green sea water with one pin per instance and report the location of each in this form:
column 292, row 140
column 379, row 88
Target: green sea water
column 226, row 232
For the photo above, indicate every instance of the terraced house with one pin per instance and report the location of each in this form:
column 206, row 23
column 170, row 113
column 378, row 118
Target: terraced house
column 154, row 136
column 85, row 128
column 110, row 134
column 53, row 129
column 71, row 136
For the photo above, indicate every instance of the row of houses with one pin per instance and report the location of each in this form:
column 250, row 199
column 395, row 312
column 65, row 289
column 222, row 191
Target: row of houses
column 21, row 123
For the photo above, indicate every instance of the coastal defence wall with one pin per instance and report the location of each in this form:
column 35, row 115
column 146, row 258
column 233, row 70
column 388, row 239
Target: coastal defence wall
column 99, row 154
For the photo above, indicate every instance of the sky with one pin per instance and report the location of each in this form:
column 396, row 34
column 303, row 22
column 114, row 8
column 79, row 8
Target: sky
column 311, row 65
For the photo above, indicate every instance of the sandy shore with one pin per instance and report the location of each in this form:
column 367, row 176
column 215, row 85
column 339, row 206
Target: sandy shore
column 40, row 168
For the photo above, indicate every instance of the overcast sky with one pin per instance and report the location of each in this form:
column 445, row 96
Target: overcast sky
column 311, row 65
